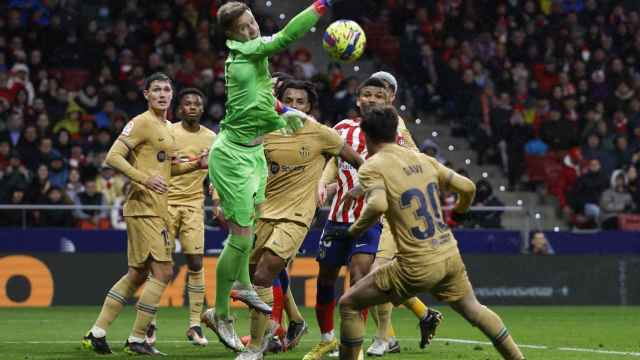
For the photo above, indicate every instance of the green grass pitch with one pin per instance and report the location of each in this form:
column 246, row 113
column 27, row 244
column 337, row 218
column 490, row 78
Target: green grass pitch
column 546, row 332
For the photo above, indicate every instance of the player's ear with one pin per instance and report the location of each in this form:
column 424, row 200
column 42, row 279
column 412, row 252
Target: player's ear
column 145, row 93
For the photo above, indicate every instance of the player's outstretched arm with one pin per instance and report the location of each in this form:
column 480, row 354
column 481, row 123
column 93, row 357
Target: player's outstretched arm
column 294, row 30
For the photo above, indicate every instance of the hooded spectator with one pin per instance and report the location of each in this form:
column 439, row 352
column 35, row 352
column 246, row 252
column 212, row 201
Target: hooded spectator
column 615, row 200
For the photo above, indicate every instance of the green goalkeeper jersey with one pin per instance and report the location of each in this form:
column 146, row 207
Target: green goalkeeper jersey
column 250, row 106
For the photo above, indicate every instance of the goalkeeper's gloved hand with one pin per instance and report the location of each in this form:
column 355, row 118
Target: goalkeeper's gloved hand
column 295, row 120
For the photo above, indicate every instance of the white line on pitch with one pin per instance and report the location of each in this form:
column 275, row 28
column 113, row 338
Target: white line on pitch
column 455, row 341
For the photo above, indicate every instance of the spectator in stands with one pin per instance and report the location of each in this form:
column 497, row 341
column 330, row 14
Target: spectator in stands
column 91, row 219
column 13, row 132
column 5, row 154
column 74, row 185
column 40, row 185
column 615, row 200
column 557, row 132
column 15, row 218
column 46, row 152
column 28, row 147
column 539, row 245
column 485, row 197
column 633, row 184
column 16, row 174
column 63, row 143
column 516, row 134
column 584, row 198
column 103, row 140
column 87, row 98
column 431, row 148
column 55, row 218
column 110, row 184
column 20, row 77
column 58, row 171
column 117, row 219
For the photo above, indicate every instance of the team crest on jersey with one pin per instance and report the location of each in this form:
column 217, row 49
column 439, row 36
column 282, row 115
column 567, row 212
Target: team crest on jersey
column 274, row 167
column 304, row 152
column 162, row 156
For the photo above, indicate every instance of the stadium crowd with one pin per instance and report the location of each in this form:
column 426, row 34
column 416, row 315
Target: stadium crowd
column 546, row 88
column 543, row 88
column 70, row 79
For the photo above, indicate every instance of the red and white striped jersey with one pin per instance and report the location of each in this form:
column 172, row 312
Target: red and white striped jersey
column 349, row 130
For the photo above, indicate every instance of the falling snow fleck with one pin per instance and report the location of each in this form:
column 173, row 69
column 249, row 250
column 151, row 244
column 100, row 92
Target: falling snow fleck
column 434, row 134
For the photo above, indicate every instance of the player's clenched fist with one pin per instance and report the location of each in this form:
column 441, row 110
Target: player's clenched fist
column 157, row 184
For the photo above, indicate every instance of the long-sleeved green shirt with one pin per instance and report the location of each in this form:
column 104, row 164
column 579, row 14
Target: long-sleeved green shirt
column 250, row 107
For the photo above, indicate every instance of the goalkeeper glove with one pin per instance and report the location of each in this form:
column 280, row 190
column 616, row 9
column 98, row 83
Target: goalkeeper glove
column 295, row 120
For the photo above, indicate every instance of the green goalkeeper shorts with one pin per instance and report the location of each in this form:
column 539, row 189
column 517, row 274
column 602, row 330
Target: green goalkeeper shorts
column 239, row 174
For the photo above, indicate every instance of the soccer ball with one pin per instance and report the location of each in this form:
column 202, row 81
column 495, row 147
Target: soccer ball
column 344, row 40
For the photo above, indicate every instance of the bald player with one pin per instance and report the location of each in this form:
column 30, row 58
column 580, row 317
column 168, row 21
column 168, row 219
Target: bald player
column 405, row 186
column 295, row 166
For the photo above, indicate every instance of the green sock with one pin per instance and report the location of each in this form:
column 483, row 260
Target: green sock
column 243, row 276
column 229, row 268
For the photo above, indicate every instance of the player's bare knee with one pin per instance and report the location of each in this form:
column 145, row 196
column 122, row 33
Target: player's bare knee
column 163, row 272
column 263, row 277
column 137, row 275
column 268, row 268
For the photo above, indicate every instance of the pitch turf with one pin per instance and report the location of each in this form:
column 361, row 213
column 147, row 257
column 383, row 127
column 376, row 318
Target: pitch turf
column 547, row 333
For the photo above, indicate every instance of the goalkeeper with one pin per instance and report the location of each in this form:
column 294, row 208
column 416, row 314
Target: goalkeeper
column 237, row 165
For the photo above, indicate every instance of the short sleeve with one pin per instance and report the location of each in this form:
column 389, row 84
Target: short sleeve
column 134, row 133
column 331, row 142
column 370, row 177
